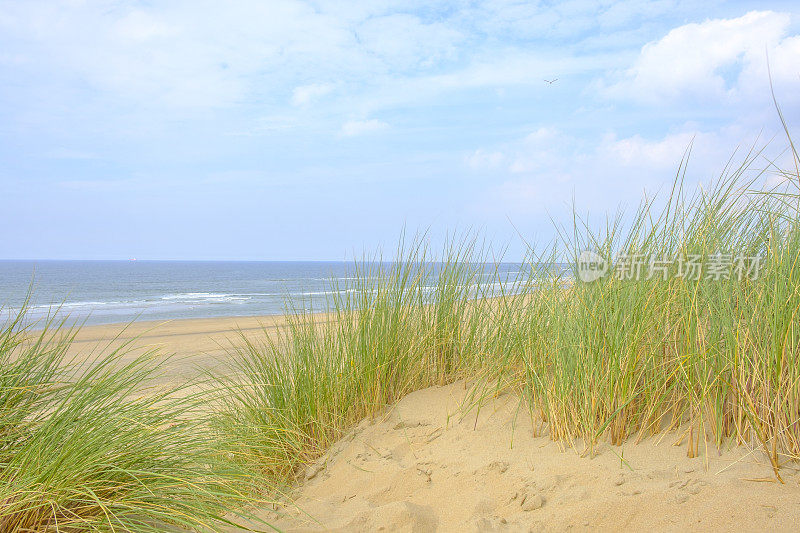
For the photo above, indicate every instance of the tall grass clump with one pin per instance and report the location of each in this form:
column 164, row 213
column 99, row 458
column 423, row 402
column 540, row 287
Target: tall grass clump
column 652, row 345
column 96, row 446
column 389, row 329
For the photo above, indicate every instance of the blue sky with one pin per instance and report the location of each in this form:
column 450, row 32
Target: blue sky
column 309, row 130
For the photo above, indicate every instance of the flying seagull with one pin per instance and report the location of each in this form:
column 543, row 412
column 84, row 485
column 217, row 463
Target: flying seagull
column 551, row 82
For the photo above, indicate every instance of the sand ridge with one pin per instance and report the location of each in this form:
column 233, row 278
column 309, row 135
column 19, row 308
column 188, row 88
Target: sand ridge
column 426, row 466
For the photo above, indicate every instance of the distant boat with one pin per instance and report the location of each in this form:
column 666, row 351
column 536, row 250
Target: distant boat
column 133, row 259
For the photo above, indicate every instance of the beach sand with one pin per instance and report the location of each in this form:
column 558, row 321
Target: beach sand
column 426, row 465
column 191, row 345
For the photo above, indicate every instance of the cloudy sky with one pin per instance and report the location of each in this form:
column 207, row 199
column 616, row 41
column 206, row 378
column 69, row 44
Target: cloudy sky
column 279, row 129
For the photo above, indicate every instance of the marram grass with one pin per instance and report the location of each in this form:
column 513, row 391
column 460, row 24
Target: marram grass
column 386, row 333
column 96, row 447
column 99, row 447
column 714, row 359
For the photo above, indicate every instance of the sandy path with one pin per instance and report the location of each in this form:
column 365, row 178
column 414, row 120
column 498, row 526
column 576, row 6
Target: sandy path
column 421, row 467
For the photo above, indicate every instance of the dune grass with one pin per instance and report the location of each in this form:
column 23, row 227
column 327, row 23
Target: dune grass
column 392, row 328
column 714, row 358
column 96, row 447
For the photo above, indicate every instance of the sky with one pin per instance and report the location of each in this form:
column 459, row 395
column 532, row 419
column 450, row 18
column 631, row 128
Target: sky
column 315, row 130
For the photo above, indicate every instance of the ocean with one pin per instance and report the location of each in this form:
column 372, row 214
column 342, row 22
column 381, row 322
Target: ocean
column 104, row 292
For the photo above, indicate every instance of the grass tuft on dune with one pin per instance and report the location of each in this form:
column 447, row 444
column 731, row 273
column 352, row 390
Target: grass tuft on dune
column 96, row 447
column 716, row 358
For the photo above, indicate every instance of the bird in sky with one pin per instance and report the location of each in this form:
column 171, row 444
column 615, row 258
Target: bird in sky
column 551, row 82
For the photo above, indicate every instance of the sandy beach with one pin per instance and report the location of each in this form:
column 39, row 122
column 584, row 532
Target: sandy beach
column 426, row 465
column 192, row 345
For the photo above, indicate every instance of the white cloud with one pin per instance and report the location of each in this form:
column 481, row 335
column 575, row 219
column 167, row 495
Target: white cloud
column 182, row 54
column 666, row 152
column 405, row 42
column 189, row 55
column 543, row 170
column 142, row 27
column 483, row 159
column 623, row 11
column 712, row 60
column 360, row 127
column 540, row 150
column 305, row 94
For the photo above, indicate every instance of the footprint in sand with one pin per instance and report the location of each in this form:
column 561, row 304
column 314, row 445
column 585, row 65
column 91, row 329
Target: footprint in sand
column 409, row 424
column 425, row 470
column 499, row 467
column 687, row 488
column 396, row 516
column 532, row 501
column 487, row 524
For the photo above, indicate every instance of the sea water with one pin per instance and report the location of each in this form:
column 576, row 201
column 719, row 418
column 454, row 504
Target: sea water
column 102, row 292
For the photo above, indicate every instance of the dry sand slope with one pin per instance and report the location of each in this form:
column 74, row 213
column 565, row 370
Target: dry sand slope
column 422, row 467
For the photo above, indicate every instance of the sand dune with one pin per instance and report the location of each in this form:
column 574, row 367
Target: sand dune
column 425, row 466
